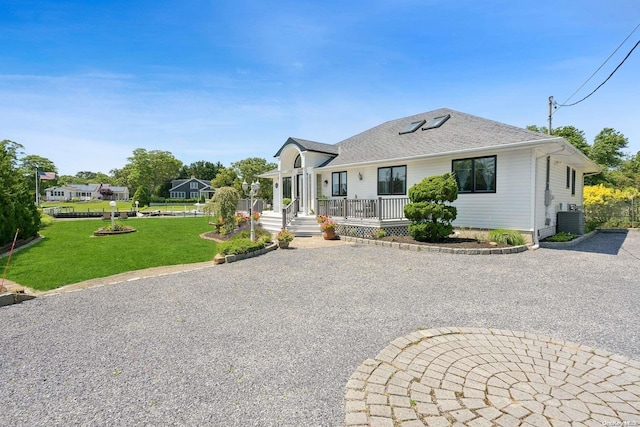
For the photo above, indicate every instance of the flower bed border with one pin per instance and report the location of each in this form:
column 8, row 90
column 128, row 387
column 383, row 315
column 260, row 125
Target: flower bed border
column 441, row 249
column 109, row 233
column 232, row 258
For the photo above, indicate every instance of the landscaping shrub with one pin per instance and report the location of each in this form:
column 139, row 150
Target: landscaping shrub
column 45, row 220
column 286, row 201
column 506, row 237
column 223, row 205
column 430, row 216
column 239, row 246
column 246, row 234
column 561, row 237
column 609, row 207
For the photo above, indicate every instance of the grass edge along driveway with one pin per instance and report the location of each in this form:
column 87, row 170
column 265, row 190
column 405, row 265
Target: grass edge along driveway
column 69, row 253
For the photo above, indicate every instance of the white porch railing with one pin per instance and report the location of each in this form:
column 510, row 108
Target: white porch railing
column 380, row 209
column 289, row 212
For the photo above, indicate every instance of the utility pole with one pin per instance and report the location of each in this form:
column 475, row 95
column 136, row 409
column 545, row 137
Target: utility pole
column 550, row 112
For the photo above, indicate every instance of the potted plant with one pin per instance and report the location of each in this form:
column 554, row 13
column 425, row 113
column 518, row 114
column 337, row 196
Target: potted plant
column 322, row 218
column 284, row 237
column 329, row 229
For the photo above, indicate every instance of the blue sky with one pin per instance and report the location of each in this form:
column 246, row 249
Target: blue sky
column 84, row 83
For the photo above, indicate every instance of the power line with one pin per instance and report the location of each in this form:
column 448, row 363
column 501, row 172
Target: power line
column 606, row 80
column 564, row 104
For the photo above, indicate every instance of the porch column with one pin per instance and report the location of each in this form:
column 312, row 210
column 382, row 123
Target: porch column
column 305, row 187
column 277, row 194
column 313, row 194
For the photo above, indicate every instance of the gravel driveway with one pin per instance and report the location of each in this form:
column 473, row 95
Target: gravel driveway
column 272, row 341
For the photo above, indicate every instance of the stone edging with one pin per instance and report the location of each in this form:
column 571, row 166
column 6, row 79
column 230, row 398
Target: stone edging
column 560, row 245
column 238, row 257
column 14, row 298
column 441, row 249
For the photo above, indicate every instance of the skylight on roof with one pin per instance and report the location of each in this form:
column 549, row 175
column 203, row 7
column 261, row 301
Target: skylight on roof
column 436, row 122
column 412, row 127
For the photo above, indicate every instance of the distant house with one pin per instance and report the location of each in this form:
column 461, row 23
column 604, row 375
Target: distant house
column 508, row 177
column 86, row 192
column 190, row 188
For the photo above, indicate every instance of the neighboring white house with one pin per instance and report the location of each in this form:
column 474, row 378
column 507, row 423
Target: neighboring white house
column 508, row 177
column 86, row 192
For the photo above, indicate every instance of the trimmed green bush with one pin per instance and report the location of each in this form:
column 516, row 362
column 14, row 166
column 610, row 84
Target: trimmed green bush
column 562, row 236
column 430, row 216
column 239, row 246
column 506, row 237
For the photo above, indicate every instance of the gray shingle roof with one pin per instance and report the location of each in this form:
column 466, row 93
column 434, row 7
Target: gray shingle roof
column 460, row 132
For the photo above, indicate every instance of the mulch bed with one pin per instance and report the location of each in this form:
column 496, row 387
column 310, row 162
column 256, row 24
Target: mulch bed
column 451, row 242
column 218, row 237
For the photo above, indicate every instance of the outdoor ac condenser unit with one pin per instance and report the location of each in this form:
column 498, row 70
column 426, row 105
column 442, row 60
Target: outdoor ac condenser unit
column 571, row 222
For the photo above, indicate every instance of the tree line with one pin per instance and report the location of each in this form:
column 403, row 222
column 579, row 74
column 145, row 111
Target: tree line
column 149, row 173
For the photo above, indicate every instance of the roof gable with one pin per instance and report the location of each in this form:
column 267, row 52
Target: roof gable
column 178, row 183
column 305, row 145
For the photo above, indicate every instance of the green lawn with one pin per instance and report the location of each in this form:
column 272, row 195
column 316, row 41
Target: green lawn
column 70, row 254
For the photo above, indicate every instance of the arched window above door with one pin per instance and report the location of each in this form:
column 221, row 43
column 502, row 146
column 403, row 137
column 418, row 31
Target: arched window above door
column 297, row 163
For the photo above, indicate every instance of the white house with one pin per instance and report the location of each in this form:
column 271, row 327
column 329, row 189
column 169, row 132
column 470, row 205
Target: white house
column 86, row 192
column 508, row 177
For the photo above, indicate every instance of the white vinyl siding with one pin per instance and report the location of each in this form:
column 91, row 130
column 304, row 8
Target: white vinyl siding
column 510, row 206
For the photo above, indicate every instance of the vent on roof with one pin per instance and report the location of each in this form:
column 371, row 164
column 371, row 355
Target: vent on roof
column 412, row 127
column 437, row 122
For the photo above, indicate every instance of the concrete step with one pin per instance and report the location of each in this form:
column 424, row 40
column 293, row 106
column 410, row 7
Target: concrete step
column 300, row 226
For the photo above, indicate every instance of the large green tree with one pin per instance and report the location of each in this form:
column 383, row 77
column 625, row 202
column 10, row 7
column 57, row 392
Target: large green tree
column 249, row 169
column 572, row 134
column 201, row 169
column 27, row 167
column 226, row 177
column 17, row 204
column 151, row 168
column 85, row 177
column 607, row 148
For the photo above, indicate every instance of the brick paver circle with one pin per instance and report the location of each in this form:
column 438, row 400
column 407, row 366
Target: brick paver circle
column 485, row 377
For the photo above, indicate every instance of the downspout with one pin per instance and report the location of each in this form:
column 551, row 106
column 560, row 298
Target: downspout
column 534, row 178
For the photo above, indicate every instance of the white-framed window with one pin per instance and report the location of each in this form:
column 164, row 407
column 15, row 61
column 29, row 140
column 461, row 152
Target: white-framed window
column 193, row 184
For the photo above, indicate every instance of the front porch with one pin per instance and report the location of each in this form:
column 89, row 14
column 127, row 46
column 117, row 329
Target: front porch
column 355, row 217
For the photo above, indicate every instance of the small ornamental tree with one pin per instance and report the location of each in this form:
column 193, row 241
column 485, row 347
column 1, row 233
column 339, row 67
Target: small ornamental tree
column 142, row 196
column 223, row 205
column 430, row 216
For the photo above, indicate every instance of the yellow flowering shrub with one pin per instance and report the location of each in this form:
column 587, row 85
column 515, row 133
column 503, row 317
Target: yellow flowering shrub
column 608, row 206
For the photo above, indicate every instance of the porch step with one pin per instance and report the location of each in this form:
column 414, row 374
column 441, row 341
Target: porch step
column 300, row 226
column 304, row 226
column 271, row 221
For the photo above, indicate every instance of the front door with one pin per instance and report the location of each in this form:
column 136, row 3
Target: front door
column 299, row 190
